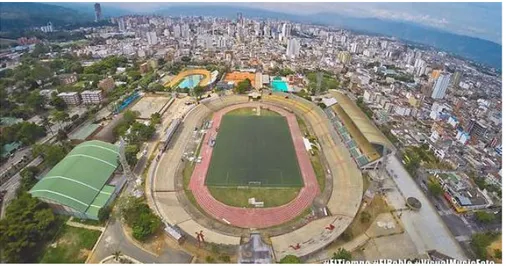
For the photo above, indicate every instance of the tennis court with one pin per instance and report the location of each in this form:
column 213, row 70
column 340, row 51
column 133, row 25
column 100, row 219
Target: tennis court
column 254, row 151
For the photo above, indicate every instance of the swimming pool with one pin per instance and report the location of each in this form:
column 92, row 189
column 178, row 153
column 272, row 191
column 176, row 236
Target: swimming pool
column 190, row 81
column 279, row 85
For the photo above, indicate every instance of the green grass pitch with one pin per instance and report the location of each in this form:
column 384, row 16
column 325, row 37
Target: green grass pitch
column 254, row 149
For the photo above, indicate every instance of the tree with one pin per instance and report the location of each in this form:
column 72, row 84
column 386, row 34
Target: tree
column 104, row 213
column 156, row 118
column 155, row 87
column 342, row 254
column 365, row 217
column 198, row 91
column 140, row 132
column 60, row 117
column 131, row 154
column 35, row 101
column 480, row 242
column 243, row 86
column 140, row 218
column 435, row 189
column 134, row 75
column 58, row 103
column 290, row 259
column 27, row 132
column 27, row 224
column 116, row 255
column 52, row 154
column 28, row 179
column 498, row 254
column 484, row 217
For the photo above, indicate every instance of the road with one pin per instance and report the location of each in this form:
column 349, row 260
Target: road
column 114, row 239
column 425, row 227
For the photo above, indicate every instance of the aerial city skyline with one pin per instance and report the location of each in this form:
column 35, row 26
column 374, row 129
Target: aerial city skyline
column 250, row 132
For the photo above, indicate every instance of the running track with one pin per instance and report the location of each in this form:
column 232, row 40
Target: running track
column 255, row 217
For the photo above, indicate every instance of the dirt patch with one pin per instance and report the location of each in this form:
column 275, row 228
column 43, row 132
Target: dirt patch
column 360, row 224
column 497, row 244
column 84, row 253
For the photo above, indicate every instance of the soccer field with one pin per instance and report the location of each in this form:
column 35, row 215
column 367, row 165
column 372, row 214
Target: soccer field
column 254, row 151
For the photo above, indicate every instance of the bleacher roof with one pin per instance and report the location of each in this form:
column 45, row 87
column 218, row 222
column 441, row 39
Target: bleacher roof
column 360, row 119
column 79, row 180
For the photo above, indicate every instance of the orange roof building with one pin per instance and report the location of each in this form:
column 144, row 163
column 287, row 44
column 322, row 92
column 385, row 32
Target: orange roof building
column 238, row 76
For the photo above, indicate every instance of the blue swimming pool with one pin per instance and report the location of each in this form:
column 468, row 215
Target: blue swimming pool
column 279, row 85
column 190, row 81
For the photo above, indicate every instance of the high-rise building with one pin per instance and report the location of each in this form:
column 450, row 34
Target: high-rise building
column 47, row 28
column 475, row 128
column 92, row 97
column 177, row 31
column 343, row 39
column 285, row 30
column 456, row 79
column 121, row 24
column 344, row 57
column 70, row 98
column 240, row 19
column 440, row 86
column 354, row 48
column 292, row 49
column 384, row 45
column 152, row 38
column 98, row 12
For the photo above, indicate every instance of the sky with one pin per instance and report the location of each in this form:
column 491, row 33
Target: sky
column 482, row 20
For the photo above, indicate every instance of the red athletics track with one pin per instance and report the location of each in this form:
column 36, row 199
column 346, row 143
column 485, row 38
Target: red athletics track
column 255, row 217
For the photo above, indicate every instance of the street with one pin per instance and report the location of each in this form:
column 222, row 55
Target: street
column 114, row 239
column 425, row 227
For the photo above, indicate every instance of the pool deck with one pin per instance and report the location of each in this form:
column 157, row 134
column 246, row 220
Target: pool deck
column 183, row 74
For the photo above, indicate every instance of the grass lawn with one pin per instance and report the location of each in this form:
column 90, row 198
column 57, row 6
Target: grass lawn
column 254, row 150
column 315, row 159
column 72, row 245
column 239, row 197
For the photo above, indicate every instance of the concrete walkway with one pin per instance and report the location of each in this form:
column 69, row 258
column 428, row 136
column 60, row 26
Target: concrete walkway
column 85, row 226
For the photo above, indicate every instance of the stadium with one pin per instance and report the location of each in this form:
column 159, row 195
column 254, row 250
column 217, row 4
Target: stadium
column 266, row 149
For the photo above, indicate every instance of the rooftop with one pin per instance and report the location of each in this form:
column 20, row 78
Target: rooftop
column 79, row 180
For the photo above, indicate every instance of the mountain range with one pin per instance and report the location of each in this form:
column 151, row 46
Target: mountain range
column 19, row 15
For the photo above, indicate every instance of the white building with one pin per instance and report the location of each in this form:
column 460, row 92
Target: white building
column 354, row 48
column 293, row 48
column 121, row 25
column 152, row 38
column 462, row 137
column 92, row 97
column 440, row 86
column 70, row 98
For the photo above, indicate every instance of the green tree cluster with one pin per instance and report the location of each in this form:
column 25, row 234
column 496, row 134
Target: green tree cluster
column 128, row 119
column 484, row 217
column 243, row 86
column 25, row 132
column 28, row 178
column 107, row 65
column 27, row 225
column 140, row 218
column 290, row 259
column 140, row 132
column 51, row 153
column 342, row 254
column 155, row 119
column 435, row 189
column 480, row 242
